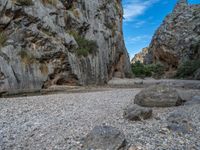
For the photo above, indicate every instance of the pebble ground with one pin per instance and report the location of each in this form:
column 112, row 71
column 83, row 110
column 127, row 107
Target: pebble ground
column 60, row 121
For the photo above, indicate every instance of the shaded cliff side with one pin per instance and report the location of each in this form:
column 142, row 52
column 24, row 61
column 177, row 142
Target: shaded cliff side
column 57, row 42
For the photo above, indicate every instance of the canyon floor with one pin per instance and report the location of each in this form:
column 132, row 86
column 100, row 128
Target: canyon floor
column 62, row 120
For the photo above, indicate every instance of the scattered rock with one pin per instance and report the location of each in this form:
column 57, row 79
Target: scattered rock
column 104, row 138
column 179, row 122
column 195, row 100
column 137, row 113
column 164, row 130
column 158, row 96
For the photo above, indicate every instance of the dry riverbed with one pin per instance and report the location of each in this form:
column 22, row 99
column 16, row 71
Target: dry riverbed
column 60, row 121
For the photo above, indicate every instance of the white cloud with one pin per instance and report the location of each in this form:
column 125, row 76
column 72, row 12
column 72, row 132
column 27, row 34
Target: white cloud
column 144, row 38
column 134, row 8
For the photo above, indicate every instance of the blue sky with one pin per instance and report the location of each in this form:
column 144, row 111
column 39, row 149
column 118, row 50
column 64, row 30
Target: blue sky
column 142, row 18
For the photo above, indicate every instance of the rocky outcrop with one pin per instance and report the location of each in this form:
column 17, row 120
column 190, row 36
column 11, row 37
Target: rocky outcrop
column 143, row 57
column 178, row 38
column 56, row 42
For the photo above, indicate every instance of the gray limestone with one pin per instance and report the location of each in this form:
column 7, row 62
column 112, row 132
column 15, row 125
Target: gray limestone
column 40, row 43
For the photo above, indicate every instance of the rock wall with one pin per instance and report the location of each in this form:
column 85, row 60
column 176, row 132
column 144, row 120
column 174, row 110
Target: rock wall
column 142, row 57
column 56, row 42
column 178, row 38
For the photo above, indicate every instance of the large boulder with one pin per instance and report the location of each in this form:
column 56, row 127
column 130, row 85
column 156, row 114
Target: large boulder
column 137, row 113
column 104, row 138
column 158, row 96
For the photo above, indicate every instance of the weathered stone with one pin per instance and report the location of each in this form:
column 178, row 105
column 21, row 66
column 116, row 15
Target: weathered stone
column 137, row 113
column 177, row 39
column 180, row 122
column 158, row 96
column 104, row 138
column 46, row 48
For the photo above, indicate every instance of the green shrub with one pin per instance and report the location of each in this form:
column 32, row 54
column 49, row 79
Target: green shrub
column 3, row 39
column 52, row 2
column 187, row 68
column 139, row 70
column 157, row 70
column 26, row 57
column 85, row 46
column 25, row 2
column 152, row 70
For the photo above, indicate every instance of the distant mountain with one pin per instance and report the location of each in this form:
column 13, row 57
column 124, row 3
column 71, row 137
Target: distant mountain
column 142, row 57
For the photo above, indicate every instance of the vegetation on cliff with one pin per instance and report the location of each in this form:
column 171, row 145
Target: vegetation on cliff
column 151, row 70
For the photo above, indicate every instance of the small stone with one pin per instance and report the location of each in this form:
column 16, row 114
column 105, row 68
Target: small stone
column 137, row 113
column 164, row 131
column 136, row 148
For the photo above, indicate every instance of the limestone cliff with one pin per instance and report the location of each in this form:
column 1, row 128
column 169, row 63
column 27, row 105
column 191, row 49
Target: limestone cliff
column 60, row 42
column 142, row 57
column 178, row 38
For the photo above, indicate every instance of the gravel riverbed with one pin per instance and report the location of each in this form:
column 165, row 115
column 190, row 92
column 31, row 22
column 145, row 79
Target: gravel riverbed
column 60, row 121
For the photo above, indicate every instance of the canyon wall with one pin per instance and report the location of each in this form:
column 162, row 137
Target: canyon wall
column 59, row 42
column 178, row 38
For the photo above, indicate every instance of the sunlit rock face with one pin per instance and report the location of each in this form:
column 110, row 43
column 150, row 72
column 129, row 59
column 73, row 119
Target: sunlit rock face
column 143, row 57
column 178, row 38
column 57, row 42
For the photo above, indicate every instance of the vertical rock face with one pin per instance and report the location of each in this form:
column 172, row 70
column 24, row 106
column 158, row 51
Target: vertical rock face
column 178, row 38
column 48, row 42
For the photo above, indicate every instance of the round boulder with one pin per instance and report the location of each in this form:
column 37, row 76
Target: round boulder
column 158, row 96
column 104, row 138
